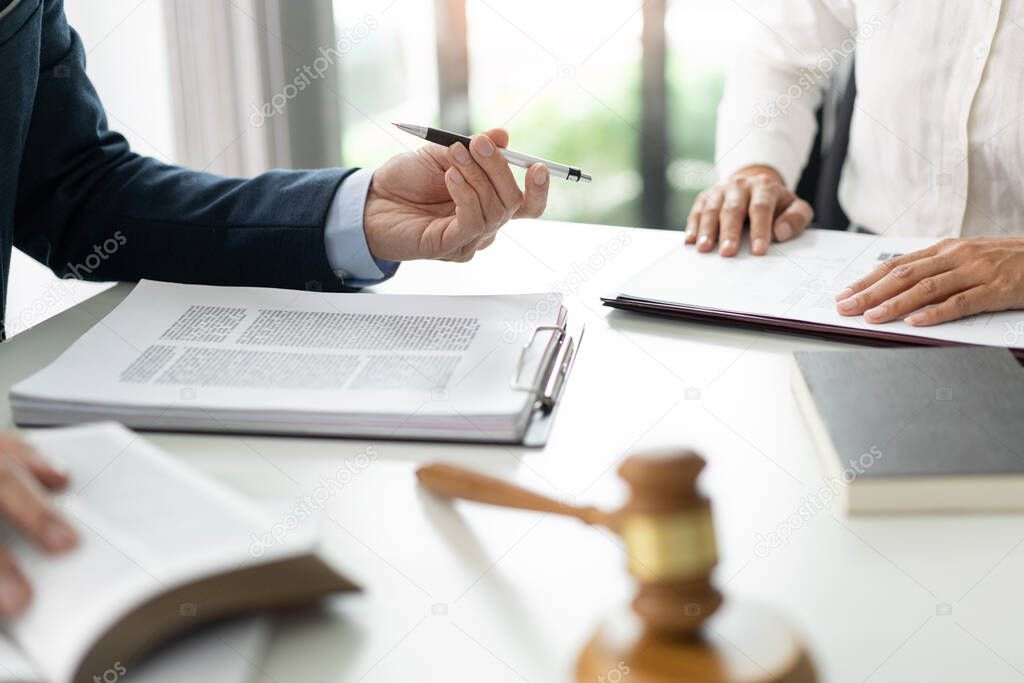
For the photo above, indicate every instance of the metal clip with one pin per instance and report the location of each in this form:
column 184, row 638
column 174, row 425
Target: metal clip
column 542, row 379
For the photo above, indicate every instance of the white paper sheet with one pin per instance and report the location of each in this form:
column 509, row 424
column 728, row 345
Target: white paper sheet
column 798, row 280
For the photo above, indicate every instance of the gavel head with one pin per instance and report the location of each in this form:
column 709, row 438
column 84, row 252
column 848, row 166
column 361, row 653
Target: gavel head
column 670, row 539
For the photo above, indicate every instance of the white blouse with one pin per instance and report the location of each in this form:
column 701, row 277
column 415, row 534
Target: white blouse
column 937, row 140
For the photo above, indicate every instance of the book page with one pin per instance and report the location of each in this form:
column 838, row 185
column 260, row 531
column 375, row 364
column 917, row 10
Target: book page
column 175, row 347
column 126, row 502
column 15, row 666
column 798, row 280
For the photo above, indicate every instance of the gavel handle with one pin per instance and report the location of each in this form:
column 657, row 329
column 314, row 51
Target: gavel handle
column 458, row 482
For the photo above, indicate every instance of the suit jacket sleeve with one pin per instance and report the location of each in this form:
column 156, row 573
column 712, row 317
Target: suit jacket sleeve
column 89, row 207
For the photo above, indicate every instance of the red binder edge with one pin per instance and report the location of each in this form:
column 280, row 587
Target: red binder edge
column 783, row 325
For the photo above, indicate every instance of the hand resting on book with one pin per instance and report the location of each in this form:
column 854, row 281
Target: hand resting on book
column 23, row 478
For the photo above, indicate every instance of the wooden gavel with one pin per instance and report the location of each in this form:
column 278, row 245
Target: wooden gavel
column 666, row 525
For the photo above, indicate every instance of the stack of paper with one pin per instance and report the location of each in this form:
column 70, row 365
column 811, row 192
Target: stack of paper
column 182, row 357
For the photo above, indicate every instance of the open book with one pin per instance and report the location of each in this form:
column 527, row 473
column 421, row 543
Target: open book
column 162, row 550
column 198, row 358
column 230, row 651
column 792, row 289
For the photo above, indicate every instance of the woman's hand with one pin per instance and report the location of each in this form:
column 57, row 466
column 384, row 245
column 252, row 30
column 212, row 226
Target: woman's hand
column 950, row 280
column 757, row 193
column 23, row 478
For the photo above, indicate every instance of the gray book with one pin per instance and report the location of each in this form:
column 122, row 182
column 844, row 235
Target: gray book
column 917, row 430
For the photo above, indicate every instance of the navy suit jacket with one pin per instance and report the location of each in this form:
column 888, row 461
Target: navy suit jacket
column 75, row 197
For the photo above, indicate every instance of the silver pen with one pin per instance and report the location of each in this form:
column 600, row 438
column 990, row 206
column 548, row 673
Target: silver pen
column 447, row 139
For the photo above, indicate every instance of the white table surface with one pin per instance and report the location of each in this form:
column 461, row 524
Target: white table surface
column 470, row 593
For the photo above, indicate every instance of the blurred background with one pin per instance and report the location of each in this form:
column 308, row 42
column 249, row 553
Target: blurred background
column 595, row 83
column 625, row 89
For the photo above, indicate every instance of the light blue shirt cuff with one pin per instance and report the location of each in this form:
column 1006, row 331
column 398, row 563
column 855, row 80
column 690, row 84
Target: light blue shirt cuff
column 345, row 239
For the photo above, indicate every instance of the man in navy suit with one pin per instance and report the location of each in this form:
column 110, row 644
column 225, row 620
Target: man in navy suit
column 75, row 197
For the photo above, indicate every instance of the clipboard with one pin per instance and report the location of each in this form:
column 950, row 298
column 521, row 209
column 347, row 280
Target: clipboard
column 547, row 384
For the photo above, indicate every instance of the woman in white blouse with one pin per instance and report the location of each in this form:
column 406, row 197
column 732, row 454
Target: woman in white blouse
column 936, row 145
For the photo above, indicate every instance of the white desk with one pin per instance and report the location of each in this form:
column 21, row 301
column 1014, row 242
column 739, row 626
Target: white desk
column 469, row 593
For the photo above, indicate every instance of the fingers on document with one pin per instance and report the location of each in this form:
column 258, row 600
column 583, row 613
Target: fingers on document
column 873, row 277
column 793, row 220
column 870, row 294
column 707, row 228
column 738, row 197
column 693, row 220
column 775, row 212
column 973, row 301
column 902, row 287
column 765, row 198
column 719, row 214
column 928, row 291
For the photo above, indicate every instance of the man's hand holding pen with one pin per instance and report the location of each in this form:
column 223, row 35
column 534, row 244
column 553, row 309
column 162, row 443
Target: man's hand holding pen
column 449, row 203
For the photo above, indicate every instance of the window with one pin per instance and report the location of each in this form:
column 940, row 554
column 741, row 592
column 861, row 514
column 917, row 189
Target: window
column 571, row 80
column 564, row 78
